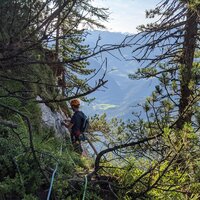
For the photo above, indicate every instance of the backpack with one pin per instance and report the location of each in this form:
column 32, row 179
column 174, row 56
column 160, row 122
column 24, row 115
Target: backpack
column 85, row 124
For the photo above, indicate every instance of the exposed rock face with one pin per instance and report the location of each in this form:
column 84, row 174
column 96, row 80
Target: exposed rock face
column 53, row 119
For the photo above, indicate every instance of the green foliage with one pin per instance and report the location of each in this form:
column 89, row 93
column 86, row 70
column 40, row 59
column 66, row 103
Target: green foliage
column 165, row 167
column 19, row 171
column 192, row 4
column 33, row 66
column 99, row 123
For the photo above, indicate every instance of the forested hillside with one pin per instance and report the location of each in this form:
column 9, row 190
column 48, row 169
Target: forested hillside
column 45, row 61
column 132, row 92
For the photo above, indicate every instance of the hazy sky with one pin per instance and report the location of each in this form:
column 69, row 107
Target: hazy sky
column 126, row 15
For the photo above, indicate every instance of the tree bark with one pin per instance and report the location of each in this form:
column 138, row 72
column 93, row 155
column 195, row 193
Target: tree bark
column 189, row 45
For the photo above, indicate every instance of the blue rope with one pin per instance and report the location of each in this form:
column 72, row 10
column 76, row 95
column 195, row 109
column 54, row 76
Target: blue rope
column 85, row 187
column 53, row 176
column 52, row 179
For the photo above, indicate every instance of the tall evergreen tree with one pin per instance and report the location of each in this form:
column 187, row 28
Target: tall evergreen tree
column 167, row 49
column 50, row 33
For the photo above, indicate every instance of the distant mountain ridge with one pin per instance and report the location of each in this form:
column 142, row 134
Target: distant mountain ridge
column 122, row 93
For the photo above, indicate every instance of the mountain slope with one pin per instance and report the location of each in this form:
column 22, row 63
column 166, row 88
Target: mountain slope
column 121, row 93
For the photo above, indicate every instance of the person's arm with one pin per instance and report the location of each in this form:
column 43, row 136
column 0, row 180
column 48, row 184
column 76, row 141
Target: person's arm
column 70, row 125
column 67, row 124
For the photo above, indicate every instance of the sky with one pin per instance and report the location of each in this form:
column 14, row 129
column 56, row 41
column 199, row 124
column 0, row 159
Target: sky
column 126, row 15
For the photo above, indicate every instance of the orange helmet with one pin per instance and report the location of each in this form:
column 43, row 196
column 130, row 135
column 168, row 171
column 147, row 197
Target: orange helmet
column 75, row 102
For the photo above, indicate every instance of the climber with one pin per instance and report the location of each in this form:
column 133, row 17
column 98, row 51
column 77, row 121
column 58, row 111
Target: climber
column 75, row 124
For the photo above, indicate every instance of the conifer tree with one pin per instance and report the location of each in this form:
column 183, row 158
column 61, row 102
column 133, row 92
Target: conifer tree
column 167, row 51
column 50, row 33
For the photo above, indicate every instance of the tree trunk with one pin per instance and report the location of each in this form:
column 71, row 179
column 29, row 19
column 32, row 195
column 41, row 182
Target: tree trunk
column 189, row 45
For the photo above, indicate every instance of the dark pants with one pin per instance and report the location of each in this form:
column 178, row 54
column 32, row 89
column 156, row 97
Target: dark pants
column 76, row 142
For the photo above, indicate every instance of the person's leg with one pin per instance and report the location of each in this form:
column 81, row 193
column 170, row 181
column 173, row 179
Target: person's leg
column 77, row 145
column 72, row 138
